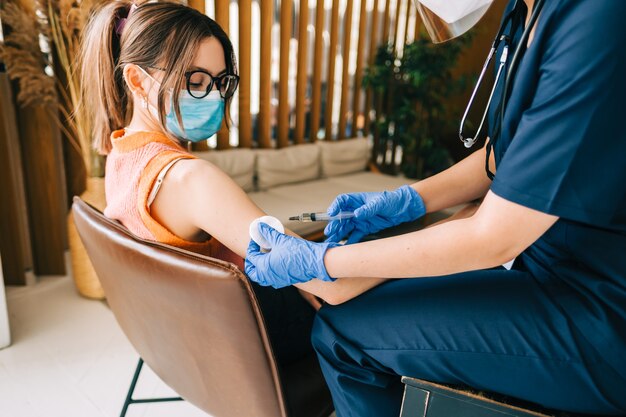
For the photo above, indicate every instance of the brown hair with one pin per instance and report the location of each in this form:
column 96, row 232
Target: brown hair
column 163, row 34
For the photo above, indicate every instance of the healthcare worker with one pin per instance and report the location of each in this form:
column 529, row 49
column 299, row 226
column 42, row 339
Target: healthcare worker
column 552, row 330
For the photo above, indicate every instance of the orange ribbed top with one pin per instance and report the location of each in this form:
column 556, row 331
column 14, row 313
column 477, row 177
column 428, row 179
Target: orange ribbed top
column 132, row 169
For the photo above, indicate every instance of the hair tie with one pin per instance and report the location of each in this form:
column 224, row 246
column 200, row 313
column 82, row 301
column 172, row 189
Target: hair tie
column 119, row 26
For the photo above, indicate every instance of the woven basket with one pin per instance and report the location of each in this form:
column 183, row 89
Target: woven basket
column 85, row 278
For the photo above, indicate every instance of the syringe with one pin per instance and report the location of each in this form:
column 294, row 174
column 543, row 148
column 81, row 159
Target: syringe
column 322, row 216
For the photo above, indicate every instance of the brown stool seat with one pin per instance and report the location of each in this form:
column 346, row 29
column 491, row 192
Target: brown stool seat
column 428, row 399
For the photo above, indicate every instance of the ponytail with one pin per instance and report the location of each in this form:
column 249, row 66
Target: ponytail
column 102, row 82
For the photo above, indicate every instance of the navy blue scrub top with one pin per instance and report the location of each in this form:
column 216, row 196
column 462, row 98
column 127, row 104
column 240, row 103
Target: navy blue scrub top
column 562, row 151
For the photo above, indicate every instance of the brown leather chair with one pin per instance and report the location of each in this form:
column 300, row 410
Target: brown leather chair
column 196, row 322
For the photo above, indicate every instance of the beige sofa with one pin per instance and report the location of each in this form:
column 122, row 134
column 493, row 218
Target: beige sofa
column 286, row 182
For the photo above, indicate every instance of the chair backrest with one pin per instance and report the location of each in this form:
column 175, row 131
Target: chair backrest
column 193, row 319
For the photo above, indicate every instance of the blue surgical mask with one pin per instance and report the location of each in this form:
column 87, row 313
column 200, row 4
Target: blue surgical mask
column 201, row 117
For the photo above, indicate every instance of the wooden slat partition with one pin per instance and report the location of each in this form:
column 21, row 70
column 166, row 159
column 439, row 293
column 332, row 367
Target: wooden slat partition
column 245, row 61
column 302, row 79
column 418, row 26
column 309, row 81
column 345, row 80
column 381, row 24
column 265, row 93
column 316, row 88
column 286, row 7
column 222, row 16
column 330, row 80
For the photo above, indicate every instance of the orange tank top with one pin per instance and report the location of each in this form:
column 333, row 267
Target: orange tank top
column 134, row 168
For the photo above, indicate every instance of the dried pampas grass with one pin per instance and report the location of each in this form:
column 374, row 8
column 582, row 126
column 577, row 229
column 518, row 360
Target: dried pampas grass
column 67, row 19
column 23, row 58
column 33, row 25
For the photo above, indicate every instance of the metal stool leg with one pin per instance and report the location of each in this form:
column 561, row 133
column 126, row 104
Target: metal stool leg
column 131, row 390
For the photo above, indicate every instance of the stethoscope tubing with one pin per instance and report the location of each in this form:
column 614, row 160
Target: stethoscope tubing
column 500, row 37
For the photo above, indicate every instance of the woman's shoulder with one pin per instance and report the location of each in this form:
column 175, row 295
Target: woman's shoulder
column 192, row 171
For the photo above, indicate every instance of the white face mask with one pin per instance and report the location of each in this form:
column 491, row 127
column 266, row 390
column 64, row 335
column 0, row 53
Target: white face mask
column 447, row 19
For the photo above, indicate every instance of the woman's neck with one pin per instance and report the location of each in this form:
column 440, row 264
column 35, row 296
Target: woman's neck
column 142, row 120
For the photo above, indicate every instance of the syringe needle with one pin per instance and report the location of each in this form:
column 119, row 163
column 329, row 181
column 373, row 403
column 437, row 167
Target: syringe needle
column 322, row 216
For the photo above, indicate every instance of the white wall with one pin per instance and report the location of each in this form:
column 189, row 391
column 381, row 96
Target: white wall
column 5, row 334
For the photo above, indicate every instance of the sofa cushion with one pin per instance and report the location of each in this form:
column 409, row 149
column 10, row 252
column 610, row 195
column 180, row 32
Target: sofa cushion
column 288, row 165
column 344, row 156
column 236, row 163
column 369, row 181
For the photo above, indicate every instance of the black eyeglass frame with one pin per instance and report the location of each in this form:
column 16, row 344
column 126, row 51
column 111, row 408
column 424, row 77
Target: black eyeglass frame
column 215, row 81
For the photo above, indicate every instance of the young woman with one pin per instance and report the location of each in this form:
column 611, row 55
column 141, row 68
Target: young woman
column 157, row 76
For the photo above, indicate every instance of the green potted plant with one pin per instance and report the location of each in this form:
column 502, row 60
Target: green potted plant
column 413, row 92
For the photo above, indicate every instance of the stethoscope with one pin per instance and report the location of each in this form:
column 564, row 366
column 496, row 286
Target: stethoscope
column 500, row 38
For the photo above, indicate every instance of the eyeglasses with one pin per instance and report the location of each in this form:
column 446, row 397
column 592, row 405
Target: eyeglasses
column 200, row 83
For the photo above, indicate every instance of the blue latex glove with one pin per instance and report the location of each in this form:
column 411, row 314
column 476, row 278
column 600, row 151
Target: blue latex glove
column 291, row 260
column 373, row 212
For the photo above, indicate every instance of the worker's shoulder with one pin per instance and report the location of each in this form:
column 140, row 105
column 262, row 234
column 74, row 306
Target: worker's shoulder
column 592, row 9
column 585, row 27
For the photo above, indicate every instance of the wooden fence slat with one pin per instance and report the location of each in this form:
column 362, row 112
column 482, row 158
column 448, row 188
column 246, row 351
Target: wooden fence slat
column 15, row 243
column 286, row 7
column 386, row 23
column 221, row 17
column 345, row 76
column 316, row 88
column 42, row 161
column 330, row 81
column 358, row 77
column 372, row 57
column 418, row 26
column 302, row 78
column 396, row 24
column 406, row 22
column 199, row 6
column 245, row 64
column 265, row 93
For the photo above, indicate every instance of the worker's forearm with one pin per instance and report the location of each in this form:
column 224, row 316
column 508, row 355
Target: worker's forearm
column 453, row 247
column 461, row 183
column 496, row 233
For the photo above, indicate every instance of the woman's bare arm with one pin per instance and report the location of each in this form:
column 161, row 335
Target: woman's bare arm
column 196, row 196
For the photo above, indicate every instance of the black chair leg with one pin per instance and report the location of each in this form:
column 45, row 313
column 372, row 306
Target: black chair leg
column 131, row 390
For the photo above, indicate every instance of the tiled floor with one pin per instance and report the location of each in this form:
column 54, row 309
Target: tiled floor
column 70, row 359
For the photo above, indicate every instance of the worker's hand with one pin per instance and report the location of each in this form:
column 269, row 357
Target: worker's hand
column 291, row 260
column 373, row 212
